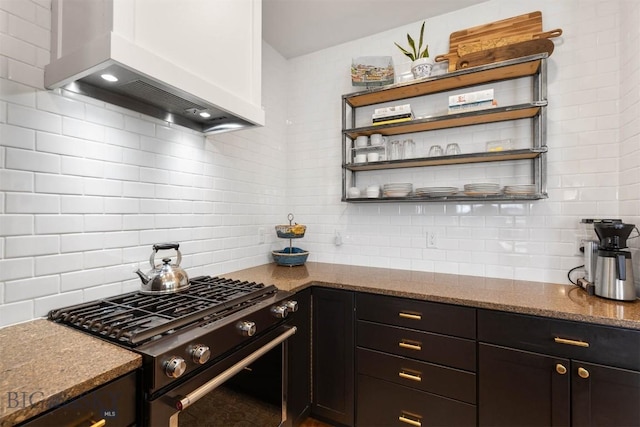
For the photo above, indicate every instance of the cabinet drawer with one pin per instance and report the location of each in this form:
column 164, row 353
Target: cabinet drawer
column 114, row 403
column 448, row 382
column 381, row 403
column 429, row 347
column 422, row 315
column 592, row 343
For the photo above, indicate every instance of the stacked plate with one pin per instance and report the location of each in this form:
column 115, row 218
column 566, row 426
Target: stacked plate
column 400, row 189
column 436, row 191
column 481, row 189
column 523, row 189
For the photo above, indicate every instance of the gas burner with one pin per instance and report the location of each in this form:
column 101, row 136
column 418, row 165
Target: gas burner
column 135, row 318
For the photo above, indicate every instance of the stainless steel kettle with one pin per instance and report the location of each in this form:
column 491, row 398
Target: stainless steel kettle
column 164, row 278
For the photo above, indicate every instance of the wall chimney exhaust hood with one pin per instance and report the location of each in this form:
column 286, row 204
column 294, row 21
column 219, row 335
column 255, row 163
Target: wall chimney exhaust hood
column 196, row 63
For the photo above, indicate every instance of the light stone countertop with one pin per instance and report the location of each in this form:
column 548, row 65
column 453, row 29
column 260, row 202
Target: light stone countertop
column 43, row 364
column 541, row 299
column 54, row 363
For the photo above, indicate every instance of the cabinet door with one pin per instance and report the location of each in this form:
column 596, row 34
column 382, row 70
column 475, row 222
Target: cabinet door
column 604, row 396
column 299, row 361
column 519, row 388
column 333, row 346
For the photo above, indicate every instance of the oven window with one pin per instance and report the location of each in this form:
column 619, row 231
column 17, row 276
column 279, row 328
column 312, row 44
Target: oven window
column 251, row 398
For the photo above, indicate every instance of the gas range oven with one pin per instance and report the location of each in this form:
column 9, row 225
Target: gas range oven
column 191, row 341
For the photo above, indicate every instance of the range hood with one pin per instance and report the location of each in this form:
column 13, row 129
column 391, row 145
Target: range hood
column 118, row 51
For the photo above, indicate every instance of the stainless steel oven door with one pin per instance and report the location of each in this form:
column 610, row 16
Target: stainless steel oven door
column 191, row 399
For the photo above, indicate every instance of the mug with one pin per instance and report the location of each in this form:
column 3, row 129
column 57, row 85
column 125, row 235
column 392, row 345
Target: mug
column 373, row 157
column 377, row 139
column 360, row 158
column 362, row 141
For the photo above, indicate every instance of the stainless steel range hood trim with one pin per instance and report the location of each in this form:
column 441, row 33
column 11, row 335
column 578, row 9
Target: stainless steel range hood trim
column 112, row 49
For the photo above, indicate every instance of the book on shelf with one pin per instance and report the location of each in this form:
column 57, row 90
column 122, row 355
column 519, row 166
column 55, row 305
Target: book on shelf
column 392, row 111
column 471, row 97
column 393, row 120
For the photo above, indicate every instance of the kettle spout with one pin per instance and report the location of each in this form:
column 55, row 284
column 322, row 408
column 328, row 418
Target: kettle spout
column 145, row 279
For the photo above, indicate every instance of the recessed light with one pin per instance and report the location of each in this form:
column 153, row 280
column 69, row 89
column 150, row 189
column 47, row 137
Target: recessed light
column 204, row 114
column 109, row 77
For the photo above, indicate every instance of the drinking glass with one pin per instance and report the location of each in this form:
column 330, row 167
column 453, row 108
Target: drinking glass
column 396, row 150
column 435, row 151
column 409, row 149
column 452, row 149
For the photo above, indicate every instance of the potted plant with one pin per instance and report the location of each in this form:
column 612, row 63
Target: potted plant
column 421, row 63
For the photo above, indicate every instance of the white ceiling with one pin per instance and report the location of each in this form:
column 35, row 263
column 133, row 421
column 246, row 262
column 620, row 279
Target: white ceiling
column 298, row 27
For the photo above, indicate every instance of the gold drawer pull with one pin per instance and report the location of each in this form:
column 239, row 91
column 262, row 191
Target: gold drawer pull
column 100, row 423
column 409, row 421
column 571, row 342
column 561, row 369
column 408, row 346
column 413, row 377
column 410, row 316
column 583, row 373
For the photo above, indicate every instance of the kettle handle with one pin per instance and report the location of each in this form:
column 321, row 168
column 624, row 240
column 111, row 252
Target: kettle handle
column 621, row 270
column 163, row 246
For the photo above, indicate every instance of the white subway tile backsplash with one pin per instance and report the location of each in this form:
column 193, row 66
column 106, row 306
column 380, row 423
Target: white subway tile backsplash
column 44, row 305
column 15, row 268
column 17, row 49
column 26, row 74
column 81, row 242
column 31, row 203
column 26, row 289
column 22, row 246
column 32, row 118
column 52, row 102
column 102, row 187
column 81, row 204
column 82, row 129
column 16, row 93
column 81, row 279
column 59, row 263
column 18, row 137
column 16, row 313
column 13, row 180
column 16, row 225
column 82, row 167
column 58, row 224
column 31, row 161
column 58, row 184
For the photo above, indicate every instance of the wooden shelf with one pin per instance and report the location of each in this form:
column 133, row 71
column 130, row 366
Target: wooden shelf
column 455, row 198
column 459, row 159
column 499, row 71
column 490, row 115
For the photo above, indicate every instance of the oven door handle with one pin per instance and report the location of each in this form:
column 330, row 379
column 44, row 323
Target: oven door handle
column 211, row 385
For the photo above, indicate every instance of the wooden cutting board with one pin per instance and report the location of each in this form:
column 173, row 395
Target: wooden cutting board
column 502, row 53
column 465, row 49
column 527, row 24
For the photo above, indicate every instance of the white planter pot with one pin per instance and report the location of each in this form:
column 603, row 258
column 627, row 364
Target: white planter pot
column 421, row 67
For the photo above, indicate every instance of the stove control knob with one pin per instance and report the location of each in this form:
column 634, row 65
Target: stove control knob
column 175, row 367
column 200, row 354
column 280, row 311
column 292, row 306
column 246, row 328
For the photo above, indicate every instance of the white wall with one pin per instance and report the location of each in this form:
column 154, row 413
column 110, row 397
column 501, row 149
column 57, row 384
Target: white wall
column 531, row 240
column 86, row 188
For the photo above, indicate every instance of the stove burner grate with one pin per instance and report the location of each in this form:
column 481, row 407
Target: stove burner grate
column 134, row 318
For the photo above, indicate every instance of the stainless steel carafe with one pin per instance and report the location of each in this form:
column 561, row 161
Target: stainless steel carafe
column 614, row 275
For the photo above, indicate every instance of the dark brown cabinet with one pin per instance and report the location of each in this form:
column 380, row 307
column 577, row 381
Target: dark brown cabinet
column 416, row 363
column 333, row 346
column 299, row 361
column 536, row 371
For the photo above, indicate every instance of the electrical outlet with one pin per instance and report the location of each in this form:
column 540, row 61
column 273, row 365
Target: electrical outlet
column 432, row 240
column 337, row 239
column 261, row 235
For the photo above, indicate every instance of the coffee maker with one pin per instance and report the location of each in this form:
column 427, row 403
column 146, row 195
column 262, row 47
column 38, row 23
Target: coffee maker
column 608, row 267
